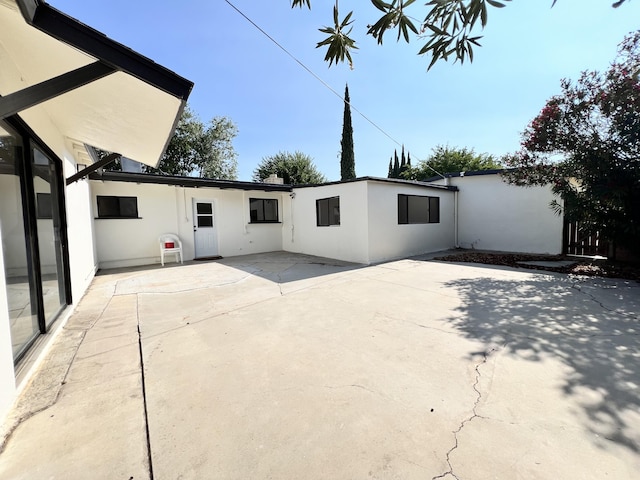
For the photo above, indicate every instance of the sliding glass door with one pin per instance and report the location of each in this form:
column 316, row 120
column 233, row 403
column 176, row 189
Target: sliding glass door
column 32, row 229
column 49, row 233
column 18, row 276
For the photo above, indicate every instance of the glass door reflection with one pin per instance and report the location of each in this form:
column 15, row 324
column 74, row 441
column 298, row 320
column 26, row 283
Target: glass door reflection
column 21, row 294
column 49, row 228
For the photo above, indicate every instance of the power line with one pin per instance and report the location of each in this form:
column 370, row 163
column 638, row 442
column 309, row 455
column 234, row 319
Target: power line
column 326, row 85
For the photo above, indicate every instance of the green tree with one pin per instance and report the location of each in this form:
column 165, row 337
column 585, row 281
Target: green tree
column 449, row 27
column 294, row 168
column 405, row 165
column 347, row 155
column 205, row 150
column 445, row 159
column 396, row 166
column 585, row 143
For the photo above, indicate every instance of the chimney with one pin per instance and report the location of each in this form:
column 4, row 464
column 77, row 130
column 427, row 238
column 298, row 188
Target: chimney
column 273, row 179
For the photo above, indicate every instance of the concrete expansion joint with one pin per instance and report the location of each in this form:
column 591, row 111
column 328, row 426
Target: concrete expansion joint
column 144, row 391
column 468, row 419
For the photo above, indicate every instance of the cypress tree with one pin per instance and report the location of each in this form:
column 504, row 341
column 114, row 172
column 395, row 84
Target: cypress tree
column 396, row 165
column 347, row 155
column 390, row 174
column 403, row 166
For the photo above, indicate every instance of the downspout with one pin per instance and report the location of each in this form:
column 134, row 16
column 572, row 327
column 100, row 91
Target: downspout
column 245, row 222
column 177, row 210
column 455, row 218
column 293, row 196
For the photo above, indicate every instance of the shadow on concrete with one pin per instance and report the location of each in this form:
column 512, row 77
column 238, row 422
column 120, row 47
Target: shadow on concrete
column 278, row 267
column 591, row 326
column 285, row 267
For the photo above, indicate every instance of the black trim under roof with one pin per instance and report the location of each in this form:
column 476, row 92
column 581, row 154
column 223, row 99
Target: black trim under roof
column 72, row 32
column 399, row 181
column 193, row 182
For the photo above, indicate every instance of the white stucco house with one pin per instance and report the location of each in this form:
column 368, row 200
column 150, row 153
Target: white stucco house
column 355, row 221
column 65, row 87
column 365, row 220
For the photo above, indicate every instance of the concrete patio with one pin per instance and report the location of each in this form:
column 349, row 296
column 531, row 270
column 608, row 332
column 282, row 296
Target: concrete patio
column 283, row 366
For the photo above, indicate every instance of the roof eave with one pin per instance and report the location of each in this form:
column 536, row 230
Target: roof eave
column 66, row 29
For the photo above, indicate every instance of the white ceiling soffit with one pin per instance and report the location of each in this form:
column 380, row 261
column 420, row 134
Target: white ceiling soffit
column 132, row 111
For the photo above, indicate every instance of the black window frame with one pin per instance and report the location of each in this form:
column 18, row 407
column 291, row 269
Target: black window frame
column 262, row 201
column 432, row 210
column 25, row 170
column 323, row 206
column 118, row 207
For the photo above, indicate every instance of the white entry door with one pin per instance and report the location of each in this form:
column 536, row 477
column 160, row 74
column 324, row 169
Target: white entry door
column 204, row 227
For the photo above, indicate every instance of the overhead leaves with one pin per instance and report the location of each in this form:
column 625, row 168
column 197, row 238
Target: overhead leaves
column 449, row 27
column 338, row 42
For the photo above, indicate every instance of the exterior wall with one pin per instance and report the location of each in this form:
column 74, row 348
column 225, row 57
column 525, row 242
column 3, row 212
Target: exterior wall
column 169, row 209
column 82, row 243
column 494, row 215
column 389, row 240
column 347, row 241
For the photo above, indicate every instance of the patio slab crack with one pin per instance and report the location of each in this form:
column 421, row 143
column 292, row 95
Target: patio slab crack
column 468, row 419
column 577, row 286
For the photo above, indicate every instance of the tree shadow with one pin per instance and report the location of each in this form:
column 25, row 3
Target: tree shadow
column 591, row 326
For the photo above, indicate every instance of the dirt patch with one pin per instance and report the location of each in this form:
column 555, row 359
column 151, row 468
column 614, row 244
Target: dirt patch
column 588, row 267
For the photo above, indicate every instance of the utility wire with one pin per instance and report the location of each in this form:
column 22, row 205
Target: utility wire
column 295, row 59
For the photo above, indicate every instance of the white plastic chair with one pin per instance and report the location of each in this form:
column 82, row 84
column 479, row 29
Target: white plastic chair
column 170, row 243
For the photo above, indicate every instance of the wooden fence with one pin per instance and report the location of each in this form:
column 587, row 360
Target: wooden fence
column 577, row 241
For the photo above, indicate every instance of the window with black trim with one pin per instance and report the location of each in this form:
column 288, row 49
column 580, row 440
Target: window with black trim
column 328, row 211
column 117, row 207
column 263, row 210
column 43, row 205
column 418, row 209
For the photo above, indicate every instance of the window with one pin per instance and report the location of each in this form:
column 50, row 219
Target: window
column 43, row 205
column 328, row 211
column 204, row 214
column 117, row 207
column 418, row 209
column 263, row 210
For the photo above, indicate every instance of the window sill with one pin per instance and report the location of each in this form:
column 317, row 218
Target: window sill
column 117, row 218
column 265, row 223
column 420, row 223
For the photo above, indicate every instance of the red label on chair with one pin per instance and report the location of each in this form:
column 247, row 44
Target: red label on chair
column 169, row 244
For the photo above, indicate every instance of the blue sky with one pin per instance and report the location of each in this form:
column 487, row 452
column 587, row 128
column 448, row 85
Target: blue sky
column 278, row 106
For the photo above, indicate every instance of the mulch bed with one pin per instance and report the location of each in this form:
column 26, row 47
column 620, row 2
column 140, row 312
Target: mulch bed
column 588, row 267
